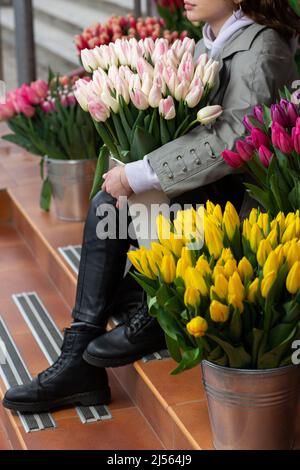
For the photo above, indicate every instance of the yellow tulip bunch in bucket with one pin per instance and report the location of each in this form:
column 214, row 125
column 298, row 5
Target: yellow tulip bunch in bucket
column 233, row 299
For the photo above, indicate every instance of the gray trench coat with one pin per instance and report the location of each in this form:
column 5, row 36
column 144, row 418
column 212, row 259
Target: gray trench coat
column 255, row 64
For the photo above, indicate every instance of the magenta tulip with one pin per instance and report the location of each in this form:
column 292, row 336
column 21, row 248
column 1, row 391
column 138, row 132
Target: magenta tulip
column 245, row 150
column 279, row 115
column 248, row 124
column 265, row 155
column 296, row 139
column 232, row 159
column 259, row 138
column 293, row 114
column 258, row 113
column 281, row 139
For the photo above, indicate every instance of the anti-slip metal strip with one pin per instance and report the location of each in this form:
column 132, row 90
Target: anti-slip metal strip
column 49, row 339
column 13, row 372
column 71, row 254
column 164, row 354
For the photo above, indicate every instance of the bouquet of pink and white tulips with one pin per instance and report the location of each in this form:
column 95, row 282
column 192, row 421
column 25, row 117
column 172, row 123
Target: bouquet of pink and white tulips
column 271, row 154
column 145, row 94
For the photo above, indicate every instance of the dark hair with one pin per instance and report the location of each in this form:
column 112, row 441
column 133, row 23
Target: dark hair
column 277, row 14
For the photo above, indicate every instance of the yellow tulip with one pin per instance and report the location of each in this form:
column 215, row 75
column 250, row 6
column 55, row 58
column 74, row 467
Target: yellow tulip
column 197, row 327
column 134, row 257
column 256, row 237
column 253, row 290
column 245, row 269
column 236, row 287
column 202, row 265
column 159, row 249
column 253, row 216
column 290, row 232
column 219, row 313
column 195, row 279
column 225, row 256
column 210, row 207
column 293, row 279
column 273, row 238
column 192, row 297
column 247, row 229
column 280, row 253
column 185, row 222
column 154, row 262
column 293, row 254
column 230, row 267
column 236, row 302
column 168, row 269
column 263, row 222
column 218, row 270
column 176, row 245
column 267, row 283
column 221, row 286
column 163, row 230
column 231, row 220
column 213, row 238
column 217, row 213
column 147, row 271
column 280, row 220
column 264, row 249
column 272, row 263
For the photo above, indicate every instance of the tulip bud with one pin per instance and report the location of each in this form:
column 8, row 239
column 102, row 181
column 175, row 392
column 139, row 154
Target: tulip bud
column 195, row 279
column 259, row 138
column 245, row 269
column 230, row 267
column 293, row 279
column 236, row 302
column 213, row 238
column 253, row 291
column 168, row 269
column 209, row 114
column 255, row 237
column 265, row 155
column 236, row 287
column 258, row 113
column 167, row 108
column 197, row 327
column 231, row 220
column 219, row 313
column 202, row 265
column 264, row 249
column 245, row 150
column 272, row 264
column 232, row 159
column 293, row 254
column 221, row 286
column 193, row 98
column 279, row 115
column 192, row 297
column 267, row 283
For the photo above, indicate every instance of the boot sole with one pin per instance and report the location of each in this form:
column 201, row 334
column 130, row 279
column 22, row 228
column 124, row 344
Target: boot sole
column 102, row 397
column 115, row 362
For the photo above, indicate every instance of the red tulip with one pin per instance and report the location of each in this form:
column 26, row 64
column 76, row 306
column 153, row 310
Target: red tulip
column 245, row 150
column 232, row 159
column 265, row 155
column 259, row 138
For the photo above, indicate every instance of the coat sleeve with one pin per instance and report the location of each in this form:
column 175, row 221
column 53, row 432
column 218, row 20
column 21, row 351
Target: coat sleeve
column 195, row 160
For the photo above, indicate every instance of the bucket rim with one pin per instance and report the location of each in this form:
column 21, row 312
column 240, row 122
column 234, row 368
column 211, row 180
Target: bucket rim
column 58, row 161
column 237, row 371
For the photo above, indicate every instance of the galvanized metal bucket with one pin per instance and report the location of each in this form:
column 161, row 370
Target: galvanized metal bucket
column 71, row 182
column 252, row 409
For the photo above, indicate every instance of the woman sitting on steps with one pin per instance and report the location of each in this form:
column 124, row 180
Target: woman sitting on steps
column 254, row 41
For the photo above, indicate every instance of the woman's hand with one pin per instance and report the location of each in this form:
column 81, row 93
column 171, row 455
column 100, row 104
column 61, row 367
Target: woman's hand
column 116, row 183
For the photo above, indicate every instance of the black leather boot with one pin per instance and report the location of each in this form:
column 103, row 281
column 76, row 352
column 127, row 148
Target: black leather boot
column 69, row 381
column 102, row 263
column 139, row 336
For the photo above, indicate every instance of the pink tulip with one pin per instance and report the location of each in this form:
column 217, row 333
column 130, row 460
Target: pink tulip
column 7, row 111
column 29, row 95
column 148, row 47
column 23, row 105
column 167, row 108
column 281, row 139
column 40, row 87
column 193, row 98
column 296, row 138
column 147, row 84
column 182, row 90
column 186, row 68
column 161, row 48
column 259, row 138
column 48, row 106
column 265, row 155
column 211, row 74
column 139, row 99
column 292, row 113
column 170, row 77
column 209, row 114
column 144, row 67
column 71, row 99
column 122, row 89
column 245, row 150
column 279, row 115
column 98, row 110
column 232, row 159
column 83, row 92
column 89, row 60
column 248, row 124
column 155, row 96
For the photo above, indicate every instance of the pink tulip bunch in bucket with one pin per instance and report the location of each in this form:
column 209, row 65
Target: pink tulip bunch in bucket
column 270, row 153
column 45, row 119
column 145, row 94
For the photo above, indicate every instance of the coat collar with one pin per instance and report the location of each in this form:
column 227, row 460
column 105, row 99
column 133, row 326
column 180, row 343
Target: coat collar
column 240, row 41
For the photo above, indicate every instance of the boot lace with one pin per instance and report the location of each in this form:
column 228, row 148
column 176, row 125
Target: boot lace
column 139, row 319
column 60, row 361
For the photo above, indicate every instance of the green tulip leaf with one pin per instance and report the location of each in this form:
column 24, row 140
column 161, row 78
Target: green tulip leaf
column 271, row 359
column 46, row 195
column 190, row 359
column 101, row 168
column 173, row 348
column 237, row 356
